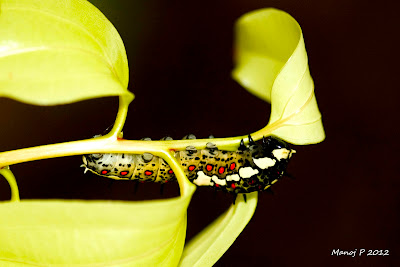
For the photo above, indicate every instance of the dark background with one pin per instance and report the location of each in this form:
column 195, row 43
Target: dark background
column 346, row 192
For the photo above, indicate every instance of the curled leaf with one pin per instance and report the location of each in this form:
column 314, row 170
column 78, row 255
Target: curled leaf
column 57, row 52
column 210, row 244
column 272, row 64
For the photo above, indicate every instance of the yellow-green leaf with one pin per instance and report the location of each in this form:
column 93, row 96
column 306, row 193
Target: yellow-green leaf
column 208, row 246
column 93, row 233
column 272, row 64
column 57, row 52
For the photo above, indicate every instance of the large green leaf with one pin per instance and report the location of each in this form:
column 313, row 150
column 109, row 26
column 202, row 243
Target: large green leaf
column 58, row 51
column 93, row 233
column 272, row 64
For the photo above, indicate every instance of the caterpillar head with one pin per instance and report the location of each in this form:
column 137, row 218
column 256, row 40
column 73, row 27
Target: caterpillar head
column 270, row 161
column 276, row 148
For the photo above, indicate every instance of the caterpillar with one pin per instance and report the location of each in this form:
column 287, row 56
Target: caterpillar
column 254, row 167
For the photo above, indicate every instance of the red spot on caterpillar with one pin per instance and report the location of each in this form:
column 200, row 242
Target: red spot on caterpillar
column 172, row 150
column 251, row 182
column 170, row 171
column 148, row 173
column 232, row 166
column 216, row 185
column 104, row 172
column 123, row 173
column 209, row 167
column 221, row 170
column 191, row 167
column 233, row 186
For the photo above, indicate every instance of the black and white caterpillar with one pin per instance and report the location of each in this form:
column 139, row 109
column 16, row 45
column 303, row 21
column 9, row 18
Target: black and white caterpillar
column 250, row 168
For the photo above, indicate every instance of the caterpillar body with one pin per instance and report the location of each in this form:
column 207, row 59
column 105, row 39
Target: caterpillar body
column 254, row 167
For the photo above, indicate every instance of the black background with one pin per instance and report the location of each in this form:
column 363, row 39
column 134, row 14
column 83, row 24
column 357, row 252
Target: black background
column 346, row 192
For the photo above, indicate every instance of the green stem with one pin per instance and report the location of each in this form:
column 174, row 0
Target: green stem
column 124, row 102
column 110, row 144
column 6, row 172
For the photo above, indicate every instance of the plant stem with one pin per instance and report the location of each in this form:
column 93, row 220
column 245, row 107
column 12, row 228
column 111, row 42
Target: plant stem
column 6, row 172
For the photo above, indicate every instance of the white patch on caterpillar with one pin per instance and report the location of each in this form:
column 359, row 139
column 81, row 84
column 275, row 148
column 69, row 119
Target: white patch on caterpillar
column 264, row 163
column 233, row 177
column 203, row 179
column 282, row 153
column 247, row 172
column 218, row 181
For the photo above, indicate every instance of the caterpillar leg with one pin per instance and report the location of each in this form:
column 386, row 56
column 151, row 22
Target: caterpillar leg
column 212, row 148
column 189, row 136
column 242, row 147
column 251, row 141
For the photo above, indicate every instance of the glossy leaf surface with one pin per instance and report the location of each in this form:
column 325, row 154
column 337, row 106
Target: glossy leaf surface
column 272, row 64
column 208, row 246
column 93, row 233
column 57, row 52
